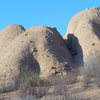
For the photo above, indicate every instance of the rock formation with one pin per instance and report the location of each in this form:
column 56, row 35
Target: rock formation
column 40, row 48
column 83, row 35
column 43, row 51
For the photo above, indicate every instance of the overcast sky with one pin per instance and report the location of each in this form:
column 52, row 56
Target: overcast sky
column 53, row 13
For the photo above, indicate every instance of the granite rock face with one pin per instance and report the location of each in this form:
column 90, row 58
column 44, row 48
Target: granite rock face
column 40, row 48
column 83, row 35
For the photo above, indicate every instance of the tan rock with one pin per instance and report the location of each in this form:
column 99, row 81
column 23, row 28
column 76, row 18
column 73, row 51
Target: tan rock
column 8, row 34
column 83, row 35
column 40, row 48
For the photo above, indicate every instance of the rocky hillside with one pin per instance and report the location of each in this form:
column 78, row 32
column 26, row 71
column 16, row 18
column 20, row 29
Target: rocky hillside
column 45, row 52
column 40, row 49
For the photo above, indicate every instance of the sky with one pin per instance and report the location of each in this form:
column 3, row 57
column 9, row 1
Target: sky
column 52, row 13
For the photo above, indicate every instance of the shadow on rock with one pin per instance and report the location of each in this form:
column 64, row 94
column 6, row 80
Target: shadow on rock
column 75, row 49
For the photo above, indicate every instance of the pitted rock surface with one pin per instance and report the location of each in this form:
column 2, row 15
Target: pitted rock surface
column 40, row 48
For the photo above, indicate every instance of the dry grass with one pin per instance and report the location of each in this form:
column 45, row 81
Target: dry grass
column 91, row 72
column 60, row 87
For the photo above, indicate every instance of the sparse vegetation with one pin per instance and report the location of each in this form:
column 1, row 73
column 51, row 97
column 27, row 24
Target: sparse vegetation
column 57, row 88
column 27, row 78
column 91, row 71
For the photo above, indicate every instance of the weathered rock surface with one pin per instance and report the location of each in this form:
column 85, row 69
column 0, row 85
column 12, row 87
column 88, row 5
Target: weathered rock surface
column 39, row 48
column 42, row 49
column 83, row 35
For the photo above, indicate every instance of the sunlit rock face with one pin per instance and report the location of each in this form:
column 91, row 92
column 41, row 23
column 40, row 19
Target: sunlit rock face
column 40, row 49
column 83, row 35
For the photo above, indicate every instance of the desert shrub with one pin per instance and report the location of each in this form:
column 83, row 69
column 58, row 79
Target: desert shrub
column 24, row 97
column 50, row 97
column 5, row 89
column 6, row 86
column 27, row 78
column 58, row 84
column 91, row 71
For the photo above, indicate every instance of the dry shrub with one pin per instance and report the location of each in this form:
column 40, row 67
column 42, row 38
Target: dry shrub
column 91, row 71
column 27, row 79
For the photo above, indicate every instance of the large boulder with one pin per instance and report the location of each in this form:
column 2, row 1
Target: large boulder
column 8, row 34
column 40, row 48
column 83, row 35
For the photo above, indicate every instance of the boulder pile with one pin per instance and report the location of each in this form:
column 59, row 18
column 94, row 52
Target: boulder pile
column 44, row 51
